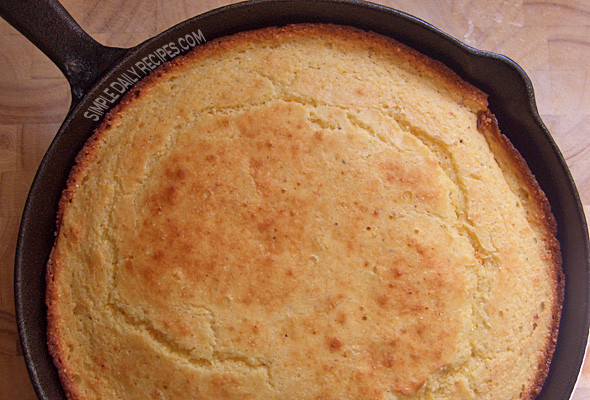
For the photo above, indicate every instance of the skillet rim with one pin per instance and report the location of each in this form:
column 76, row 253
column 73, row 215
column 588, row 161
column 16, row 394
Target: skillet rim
column 26, row 234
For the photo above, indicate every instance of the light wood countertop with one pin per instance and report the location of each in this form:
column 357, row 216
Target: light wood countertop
column 550, row 39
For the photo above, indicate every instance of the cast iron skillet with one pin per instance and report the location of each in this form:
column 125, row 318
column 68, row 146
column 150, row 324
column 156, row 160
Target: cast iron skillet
column 91, row 68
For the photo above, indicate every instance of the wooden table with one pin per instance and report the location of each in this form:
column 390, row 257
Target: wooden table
column 550, row 39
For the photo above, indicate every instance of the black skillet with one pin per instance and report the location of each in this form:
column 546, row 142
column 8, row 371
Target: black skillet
column 97, row 73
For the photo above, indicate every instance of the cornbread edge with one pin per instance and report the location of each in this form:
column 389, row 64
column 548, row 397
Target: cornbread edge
column 511, row 161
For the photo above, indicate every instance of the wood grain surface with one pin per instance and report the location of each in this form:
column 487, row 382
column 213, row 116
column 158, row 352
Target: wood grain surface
column 550, row 39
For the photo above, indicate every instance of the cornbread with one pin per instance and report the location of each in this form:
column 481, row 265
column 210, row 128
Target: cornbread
column 304, row 212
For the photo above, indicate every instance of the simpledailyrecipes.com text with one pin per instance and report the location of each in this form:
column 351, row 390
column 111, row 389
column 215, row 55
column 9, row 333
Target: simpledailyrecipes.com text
column 125, row 80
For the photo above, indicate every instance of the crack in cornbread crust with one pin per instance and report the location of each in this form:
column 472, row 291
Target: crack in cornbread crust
column 441, row 77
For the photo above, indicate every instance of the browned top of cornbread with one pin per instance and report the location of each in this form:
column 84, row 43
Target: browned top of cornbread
column 306, row 212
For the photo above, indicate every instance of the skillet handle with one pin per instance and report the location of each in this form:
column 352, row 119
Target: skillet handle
column 48, row 25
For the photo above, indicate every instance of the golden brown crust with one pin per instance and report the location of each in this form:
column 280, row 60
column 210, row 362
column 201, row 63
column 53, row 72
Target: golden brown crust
column 473, row 97
column 442, row 185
